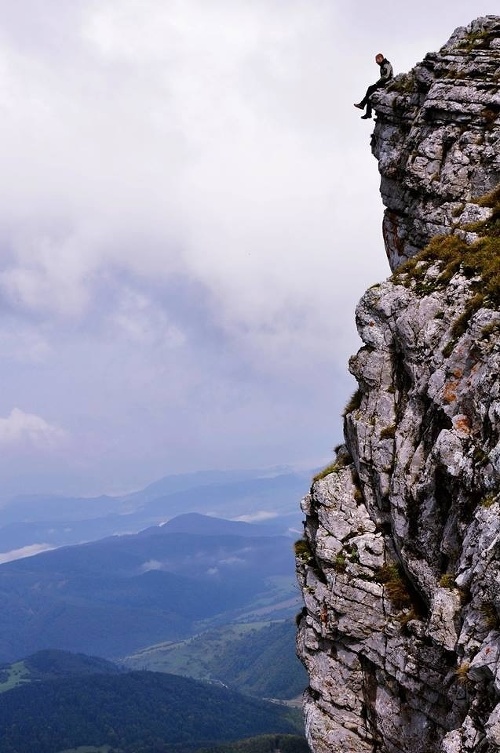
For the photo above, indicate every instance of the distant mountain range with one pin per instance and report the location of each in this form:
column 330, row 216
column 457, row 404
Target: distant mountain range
column 157, row 577
column 123, row 593
column 43, row 522
column 63, row 701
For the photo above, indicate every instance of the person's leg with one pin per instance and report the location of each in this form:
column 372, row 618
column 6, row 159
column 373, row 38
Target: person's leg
column 369, row 92
column 365, row 99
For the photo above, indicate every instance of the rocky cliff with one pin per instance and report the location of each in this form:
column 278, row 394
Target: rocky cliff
column 399, row 565
column 436, row 139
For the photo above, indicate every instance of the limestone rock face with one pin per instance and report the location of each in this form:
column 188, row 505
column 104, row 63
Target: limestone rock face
column 437, row 139
column 400, row 633
column 400, row 562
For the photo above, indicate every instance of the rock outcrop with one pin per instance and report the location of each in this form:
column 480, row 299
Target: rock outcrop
column 437, row 139
column 399, row 565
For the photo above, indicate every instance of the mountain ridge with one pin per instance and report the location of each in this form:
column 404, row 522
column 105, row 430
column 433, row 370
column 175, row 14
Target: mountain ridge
column 76, row 520
column 122, row 593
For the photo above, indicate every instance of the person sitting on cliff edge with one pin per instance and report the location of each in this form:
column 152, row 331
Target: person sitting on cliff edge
column 385, row 77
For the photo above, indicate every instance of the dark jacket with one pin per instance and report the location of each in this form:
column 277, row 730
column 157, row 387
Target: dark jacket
column 385, row 72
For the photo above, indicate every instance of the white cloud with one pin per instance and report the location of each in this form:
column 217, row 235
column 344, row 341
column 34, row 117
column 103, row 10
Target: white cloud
column 189, row 212
column 142, row 321
column 176, row 139
column 258, row 517
column 232, row 561
column 51, row 274
column 23, row 343
column 27, row 428
column 25, row 551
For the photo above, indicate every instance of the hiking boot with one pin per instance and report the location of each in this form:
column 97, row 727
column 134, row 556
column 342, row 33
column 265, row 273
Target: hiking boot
column 364, row 117
column 361, row 107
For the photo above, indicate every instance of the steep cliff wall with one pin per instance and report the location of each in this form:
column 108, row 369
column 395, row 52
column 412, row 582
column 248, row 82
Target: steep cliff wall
column 437, row 139
column 399, row 565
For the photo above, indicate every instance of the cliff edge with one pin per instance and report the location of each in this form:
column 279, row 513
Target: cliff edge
column 436, row 140
column 399, row 565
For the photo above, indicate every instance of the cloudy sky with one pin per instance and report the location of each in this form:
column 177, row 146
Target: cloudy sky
column 189, row 212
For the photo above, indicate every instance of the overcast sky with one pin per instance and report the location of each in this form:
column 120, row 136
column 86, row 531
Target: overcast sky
column 189, row 212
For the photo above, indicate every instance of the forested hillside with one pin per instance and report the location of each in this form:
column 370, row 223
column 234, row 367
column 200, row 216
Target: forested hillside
column 136, row 712
column 256, row 659
column 264, row 744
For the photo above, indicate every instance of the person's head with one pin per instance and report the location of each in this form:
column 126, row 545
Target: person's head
column 379, row 58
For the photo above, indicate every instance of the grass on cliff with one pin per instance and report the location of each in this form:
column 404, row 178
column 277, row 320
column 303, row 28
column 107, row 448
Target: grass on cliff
column 395, row 583
column 353, row 403
column 342, row 460
column 303, row 552
column 330, row 468
column 490, row 615
column 478, row 261
column 477, row 40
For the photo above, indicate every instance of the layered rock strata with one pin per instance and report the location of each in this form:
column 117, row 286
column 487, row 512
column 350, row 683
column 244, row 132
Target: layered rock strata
column 399, row 565
column 437, row 139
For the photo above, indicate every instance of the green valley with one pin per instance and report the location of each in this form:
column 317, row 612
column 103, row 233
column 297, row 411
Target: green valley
column 253, row 658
